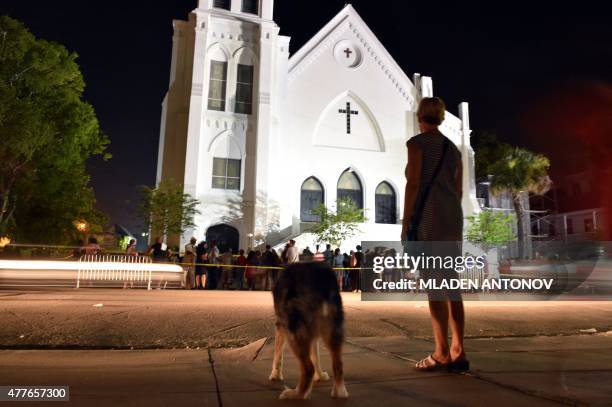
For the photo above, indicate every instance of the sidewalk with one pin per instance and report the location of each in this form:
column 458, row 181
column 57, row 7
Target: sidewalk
column 505, row 372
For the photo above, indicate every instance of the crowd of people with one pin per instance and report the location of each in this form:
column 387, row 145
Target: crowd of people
column 207, row 268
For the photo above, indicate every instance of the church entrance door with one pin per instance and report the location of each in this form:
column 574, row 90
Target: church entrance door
column 227, row 237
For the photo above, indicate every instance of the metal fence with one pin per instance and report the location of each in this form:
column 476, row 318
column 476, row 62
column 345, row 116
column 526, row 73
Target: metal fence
column 108, row 268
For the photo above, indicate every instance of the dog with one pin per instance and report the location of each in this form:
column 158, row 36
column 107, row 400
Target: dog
column 308, row 307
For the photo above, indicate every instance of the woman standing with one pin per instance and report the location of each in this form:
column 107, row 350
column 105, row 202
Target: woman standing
column 338, row 264
column 240, row 269
column 189, row 261
column 131, row 250
column 200, row 269
column 432, row 213
column 251, row 270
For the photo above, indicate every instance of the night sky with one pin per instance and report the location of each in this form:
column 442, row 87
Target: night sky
column 538, row 75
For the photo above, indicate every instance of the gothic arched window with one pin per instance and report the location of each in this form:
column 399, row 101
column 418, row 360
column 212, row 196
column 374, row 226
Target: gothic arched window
column 227, row 163
column 349, row 186
column 217, row 85
column 245, row 75
column 311, row 197
column 385, row 204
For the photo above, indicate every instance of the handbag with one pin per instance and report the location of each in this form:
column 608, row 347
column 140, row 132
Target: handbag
column 415, row 219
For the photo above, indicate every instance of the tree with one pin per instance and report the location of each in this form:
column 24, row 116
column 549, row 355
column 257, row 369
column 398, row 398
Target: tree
column 488, row 150
column 335, row 227
column 520, row 172
column 166, row 209
column 491, row 228
column 47, row 134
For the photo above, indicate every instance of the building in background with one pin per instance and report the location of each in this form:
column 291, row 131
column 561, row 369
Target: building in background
column 502, row 201
column 261, row 137
column 572, row 210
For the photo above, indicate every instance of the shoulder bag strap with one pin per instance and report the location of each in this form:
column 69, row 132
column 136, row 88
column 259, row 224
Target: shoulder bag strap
column 416, row 216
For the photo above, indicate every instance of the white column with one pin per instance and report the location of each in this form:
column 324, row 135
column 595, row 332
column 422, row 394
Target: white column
column 469, row 201
column 267, row 9
column 259, row 141
column 197, row 104
column 426, row 87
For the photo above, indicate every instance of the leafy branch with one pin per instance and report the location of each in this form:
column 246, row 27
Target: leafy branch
column 334, row 227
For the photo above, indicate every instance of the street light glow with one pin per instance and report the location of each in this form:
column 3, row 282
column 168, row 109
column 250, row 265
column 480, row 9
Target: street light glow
column 81, row 225
column 4, row 241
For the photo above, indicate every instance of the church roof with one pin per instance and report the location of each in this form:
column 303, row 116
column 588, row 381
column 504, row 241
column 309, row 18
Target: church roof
column 349, row 20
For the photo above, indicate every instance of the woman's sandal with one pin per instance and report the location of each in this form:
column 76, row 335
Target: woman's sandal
column 459, row 366
column 429, row 364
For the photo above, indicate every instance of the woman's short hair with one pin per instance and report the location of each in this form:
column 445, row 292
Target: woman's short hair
column 431, row 111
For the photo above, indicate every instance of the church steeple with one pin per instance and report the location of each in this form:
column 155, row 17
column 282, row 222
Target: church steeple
column 258, row 8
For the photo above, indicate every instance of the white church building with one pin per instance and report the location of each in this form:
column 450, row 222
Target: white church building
column 261, row 137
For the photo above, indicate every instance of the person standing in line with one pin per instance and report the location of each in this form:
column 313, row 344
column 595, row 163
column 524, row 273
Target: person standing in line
column 354, row 273
column 240, row 270
column 318, row 256
column 226, row 262
column 130, row 250
column 283, row 255
column 328, row 255
column 212, row 273
column 189, row 260
column 270, row 259
column 92, row 248
column 293, row 255
column 338, row 264
column 200, row 269
column 251, row 270
column 433, row 213
column 345, row 274
column 158, row 251
column 307, row 253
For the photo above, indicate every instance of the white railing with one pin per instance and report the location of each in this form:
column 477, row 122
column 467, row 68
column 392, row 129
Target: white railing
column 112, row 268
column 474, row 274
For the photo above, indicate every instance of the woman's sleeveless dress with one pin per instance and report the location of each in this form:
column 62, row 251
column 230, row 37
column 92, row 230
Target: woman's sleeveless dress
column 442, row 218
column 441, row 228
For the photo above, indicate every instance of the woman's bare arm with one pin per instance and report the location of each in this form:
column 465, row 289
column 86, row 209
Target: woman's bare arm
column 413, row 183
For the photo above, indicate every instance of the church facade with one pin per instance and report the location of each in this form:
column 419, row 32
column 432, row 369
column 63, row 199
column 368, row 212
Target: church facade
column 261, row 137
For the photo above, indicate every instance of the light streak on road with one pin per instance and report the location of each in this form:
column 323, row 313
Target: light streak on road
column 54, row 273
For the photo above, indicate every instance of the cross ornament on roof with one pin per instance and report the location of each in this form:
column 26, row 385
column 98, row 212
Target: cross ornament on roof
column 348, row 112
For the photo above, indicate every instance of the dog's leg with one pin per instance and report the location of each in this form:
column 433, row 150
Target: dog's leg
column 279, row 346
column 315, row 356
column 334, row 343
column 301, row 345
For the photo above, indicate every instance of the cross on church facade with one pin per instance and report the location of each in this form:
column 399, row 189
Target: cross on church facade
column 348, row 52
column 348, row 113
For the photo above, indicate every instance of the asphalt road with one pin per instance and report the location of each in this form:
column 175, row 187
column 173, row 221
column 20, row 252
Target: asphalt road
column 167, row 319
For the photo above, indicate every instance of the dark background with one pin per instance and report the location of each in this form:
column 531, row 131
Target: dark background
column 537, row 74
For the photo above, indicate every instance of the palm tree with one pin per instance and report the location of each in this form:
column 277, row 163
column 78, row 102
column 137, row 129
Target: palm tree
column 520, row 171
